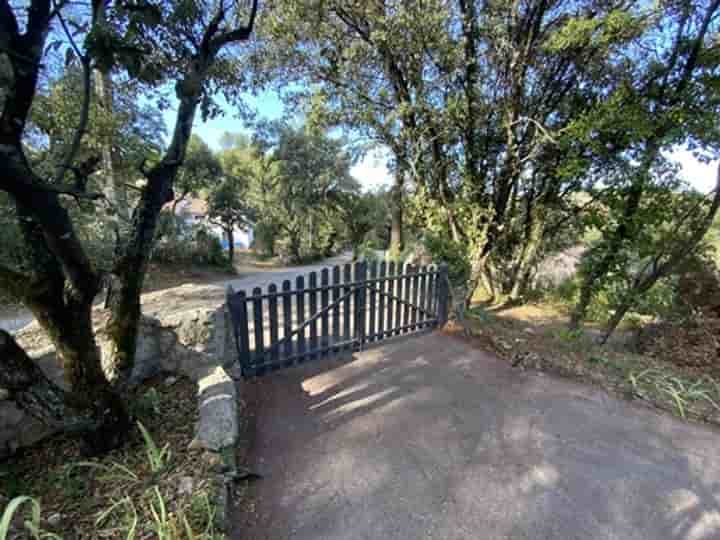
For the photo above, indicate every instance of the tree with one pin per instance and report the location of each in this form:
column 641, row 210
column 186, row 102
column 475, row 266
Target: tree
column 200, row 168
column 360, row 213
column 468, row 110
column 179, row 43
column 227, row 208
column 310, row 169
column 507, row 114
column 665, row 99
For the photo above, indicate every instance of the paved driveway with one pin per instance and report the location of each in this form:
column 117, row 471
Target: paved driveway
column 430, row 438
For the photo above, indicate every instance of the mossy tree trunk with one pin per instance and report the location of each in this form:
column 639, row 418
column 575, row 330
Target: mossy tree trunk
column 396, row 213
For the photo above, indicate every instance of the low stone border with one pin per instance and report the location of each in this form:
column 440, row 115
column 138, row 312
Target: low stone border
column 217, row 427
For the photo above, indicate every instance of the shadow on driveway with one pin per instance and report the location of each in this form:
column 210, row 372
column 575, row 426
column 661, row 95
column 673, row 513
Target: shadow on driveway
column 429, row 438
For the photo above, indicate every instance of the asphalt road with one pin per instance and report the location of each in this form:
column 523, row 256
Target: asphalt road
column 429, row 438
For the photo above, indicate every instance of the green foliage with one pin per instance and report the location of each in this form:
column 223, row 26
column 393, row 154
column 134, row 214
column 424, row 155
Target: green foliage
column 508, row 181
column 681, row 392
column 215, row 254
column 569, row 335
column 227, row 202
column 200, row 170
column 32, row 525
column 366, row 252
column 179, row 243
column 158, row 458
column 454, row 254
column 658, row 303
column 300, row 191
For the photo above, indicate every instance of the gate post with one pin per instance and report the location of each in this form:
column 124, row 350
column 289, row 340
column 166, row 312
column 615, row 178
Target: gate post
column 443, row 294
column 360, row 293
column 238, row 313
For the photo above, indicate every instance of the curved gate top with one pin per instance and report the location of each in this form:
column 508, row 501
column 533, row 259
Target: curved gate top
column 348, row 308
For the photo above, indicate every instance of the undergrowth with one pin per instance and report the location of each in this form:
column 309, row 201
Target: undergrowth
column 547, row 344
column 147, row 514
column 153, row 488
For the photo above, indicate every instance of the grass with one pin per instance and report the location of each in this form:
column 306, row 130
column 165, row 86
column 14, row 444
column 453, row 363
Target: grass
column 153, row 488
column 536, row 337
column 686, row 394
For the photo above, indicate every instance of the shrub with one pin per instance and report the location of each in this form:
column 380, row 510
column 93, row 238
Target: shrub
column 454, row 254
column 365, row 252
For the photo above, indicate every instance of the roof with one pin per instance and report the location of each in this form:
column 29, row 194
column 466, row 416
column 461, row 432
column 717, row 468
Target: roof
column 193, row 206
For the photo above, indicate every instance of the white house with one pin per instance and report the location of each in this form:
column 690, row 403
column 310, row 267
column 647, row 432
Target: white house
column 194, row 212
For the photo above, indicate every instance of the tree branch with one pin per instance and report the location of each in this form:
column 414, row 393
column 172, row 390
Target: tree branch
column 239, row 34
column 8, row 22
column 84, row 111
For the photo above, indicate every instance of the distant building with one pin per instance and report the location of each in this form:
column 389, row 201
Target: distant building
column 194, row 211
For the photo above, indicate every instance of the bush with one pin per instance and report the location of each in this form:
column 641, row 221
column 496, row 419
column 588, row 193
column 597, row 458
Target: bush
column 265, row 237
column 366, row 252
column 454, row 254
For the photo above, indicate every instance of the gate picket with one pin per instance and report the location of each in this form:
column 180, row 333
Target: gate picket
column 287, row 321
column 381, row 302
column 398, row 297
column 258, row 324
column 391, row 292
column 432, row 285
column 238, row 311
column 407, row 291
column 324, row 329
column 371, row 302
column 273, row 319
column 337, row 308
column 414, row 310
column 421, row 305
column 360, row 307
column 347, row 275
column 300, row 310
column 312, row 285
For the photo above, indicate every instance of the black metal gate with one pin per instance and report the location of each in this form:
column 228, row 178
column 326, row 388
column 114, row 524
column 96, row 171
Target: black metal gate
column 350, row 307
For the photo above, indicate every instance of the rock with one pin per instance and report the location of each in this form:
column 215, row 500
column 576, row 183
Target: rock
column 504, row 344
column 195, row 445
column 148, row 353
column 185, row 485
column 170, row 381
column 54, row 519
column 217, row 425
column 213, row 461
column 4, row 394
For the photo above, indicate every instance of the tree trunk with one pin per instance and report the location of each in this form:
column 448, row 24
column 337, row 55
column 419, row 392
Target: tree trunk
column 532, row 243
column 129, row 270
column 396, row 213
column 60, row 294
column 231, row 243
column 470, row 32
column 602, row 267
column 642, row 284
column 91, row 409
column 33, row 392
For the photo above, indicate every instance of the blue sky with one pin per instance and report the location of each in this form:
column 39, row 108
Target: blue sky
column 372, row 170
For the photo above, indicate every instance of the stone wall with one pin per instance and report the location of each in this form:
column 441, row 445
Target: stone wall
column 196, row 343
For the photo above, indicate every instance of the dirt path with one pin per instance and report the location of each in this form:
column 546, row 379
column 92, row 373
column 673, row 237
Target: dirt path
column 430, row 438
column 201, row 294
